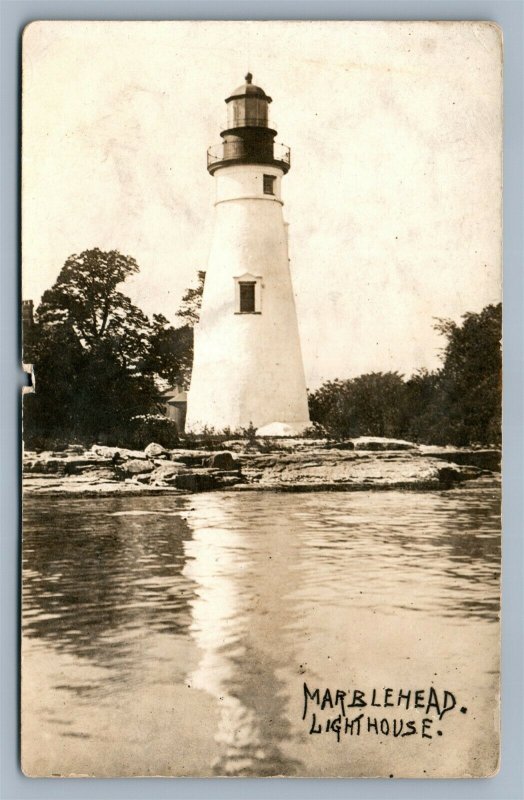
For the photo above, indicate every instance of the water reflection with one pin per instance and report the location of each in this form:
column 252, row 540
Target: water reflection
column 235, row 596
column 239, row 613
column 96, row 574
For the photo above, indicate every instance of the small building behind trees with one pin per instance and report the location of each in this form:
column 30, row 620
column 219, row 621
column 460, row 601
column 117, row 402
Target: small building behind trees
column 175, row 405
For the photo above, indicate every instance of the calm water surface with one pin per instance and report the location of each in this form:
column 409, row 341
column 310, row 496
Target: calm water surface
column 172, row 635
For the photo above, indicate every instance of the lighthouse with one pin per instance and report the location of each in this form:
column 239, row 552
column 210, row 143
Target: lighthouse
column 247, row 367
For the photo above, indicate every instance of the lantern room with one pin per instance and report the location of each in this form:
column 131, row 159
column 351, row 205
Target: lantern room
column 249, row 137
column 247, row 106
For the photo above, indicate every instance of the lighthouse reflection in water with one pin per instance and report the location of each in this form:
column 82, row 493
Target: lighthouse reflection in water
column 239, row 618
column 173, row 635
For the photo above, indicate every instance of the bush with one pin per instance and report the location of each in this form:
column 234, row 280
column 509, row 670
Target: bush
column 370, row 405
column 148, row 428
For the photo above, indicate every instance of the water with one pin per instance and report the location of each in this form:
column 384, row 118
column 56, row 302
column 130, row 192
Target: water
column 173, row 635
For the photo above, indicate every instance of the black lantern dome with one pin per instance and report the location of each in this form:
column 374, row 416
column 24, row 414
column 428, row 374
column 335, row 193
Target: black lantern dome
column 249, row 137
column 248, row 89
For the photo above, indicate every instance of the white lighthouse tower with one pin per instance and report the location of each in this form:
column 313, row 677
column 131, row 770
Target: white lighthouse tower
column 247, row 368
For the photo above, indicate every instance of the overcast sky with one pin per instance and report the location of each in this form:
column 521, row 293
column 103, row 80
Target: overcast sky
column 393, row 197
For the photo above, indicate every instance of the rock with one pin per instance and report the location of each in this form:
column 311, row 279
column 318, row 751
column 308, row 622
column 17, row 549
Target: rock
column 343, row 445
column 288, row 465
column 103, row 451
column 65, row 465
column 223, row 460
column 382, row 443
column 167, row 480
column 192, row 458
column 154, row 450
column 99, row 475
column 167, row 470
column 280, row 429
column 75, row 466
column 195, row 482
column 450, row 475
column 136, row 467
column 46, row 466
column 144, row 477
column 227, row 479
column 108, row 452
column 236, row 445
column 485, row 459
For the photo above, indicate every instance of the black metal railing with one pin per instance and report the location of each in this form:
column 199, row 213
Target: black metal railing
column 237, row 151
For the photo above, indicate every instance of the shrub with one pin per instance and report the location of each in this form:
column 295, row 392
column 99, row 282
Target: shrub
column 148, row 428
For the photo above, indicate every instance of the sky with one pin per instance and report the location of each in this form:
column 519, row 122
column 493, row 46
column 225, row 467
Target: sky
column 393, row 197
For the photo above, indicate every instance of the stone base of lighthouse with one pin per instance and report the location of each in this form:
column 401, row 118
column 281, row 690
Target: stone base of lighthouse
column 247, row 369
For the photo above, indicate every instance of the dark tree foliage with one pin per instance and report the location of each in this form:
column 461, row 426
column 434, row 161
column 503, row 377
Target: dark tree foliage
column 182, row 340
column 370, row 405
column 425, row 415
column 459, row 404
column 189, row 310
column 97, row 357
column 171, row 351
column 57, row 358
column 470, row 381
column 85, row 298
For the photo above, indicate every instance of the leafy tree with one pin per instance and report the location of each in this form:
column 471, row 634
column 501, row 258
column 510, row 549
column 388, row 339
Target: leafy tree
column 92, row 353
column 171, row 351
column 180, row 340
column 189, row 310
column 425, row 416
column 370, row 405
column 86, row 300
column 58, row 359
column 469, row 383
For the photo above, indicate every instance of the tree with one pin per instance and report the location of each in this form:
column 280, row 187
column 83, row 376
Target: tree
column 92, row 353
column 425, row 416
column 86, row 300
column 469, row 383
column 189, row 310
column 180, row 341
column 171, row 351
column 458, row 404
column 57, row 359
column 370, row 405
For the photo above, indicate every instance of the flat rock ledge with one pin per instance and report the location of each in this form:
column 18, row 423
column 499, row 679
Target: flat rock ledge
column 298, row 465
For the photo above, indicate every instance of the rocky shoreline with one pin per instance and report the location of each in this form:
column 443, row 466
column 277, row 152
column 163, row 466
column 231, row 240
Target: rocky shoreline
column 290, row 465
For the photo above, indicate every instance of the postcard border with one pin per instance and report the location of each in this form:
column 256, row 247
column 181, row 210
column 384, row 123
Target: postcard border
column 508, row 783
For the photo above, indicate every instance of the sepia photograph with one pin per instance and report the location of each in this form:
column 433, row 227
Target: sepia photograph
column 261, row 312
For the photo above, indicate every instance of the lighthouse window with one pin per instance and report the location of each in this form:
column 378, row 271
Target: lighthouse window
column 247, row 297
column 269, row 184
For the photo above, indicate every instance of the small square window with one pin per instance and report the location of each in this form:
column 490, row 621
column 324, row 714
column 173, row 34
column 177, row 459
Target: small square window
column 269, row 184
column 247, row 297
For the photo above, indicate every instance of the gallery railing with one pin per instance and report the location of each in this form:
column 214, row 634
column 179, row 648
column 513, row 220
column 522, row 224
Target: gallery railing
column 238, row 151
